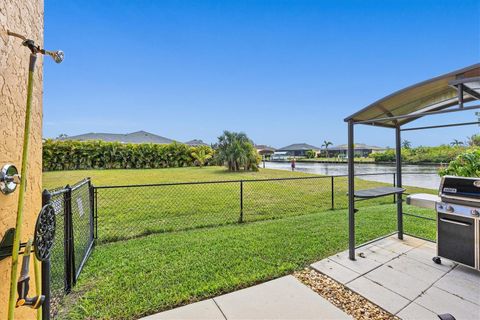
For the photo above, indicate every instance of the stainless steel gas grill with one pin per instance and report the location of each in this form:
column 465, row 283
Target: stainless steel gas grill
column 458, row 217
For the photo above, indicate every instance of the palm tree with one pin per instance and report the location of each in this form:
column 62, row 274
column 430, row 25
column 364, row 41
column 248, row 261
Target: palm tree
column 201, row 156
column 474, row 141
column 236, row 151
column 406, row 144
column 456, row 143
column 325, row 145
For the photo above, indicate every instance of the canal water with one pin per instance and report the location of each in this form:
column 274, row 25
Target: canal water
column 424, row 176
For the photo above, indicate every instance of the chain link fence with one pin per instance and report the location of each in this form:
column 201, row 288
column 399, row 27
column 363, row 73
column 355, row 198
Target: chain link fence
column 130, row 211
column 86, row 214
column 74, row 237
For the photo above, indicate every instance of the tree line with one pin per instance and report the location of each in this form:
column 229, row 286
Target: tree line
column 76, row 155
column 234, row 150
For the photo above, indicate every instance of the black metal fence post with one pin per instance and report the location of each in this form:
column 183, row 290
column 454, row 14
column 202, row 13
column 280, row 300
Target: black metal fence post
column 241, row 202
column 67, row 198
column 95, row 200
column 91, row 195
column 333, row 192
column 46, row 197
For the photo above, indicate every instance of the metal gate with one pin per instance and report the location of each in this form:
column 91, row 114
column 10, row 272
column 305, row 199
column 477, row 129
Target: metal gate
column 73, row 242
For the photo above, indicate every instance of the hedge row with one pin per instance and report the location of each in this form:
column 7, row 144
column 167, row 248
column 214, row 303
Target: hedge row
column 440, row 154
column 73, row 155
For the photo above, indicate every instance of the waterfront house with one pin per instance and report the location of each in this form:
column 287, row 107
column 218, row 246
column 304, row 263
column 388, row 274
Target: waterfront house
column 361, row 150
column 299, row 149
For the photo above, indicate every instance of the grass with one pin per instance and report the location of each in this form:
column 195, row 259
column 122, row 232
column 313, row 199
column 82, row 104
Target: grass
column 55, row 179
column 156, row 272
column 125, row 213
column 130, row 279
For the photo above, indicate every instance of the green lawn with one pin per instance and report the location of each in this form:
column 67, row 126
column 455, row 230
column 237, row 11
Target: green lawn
column 125, row 213
column 55, row 179
column 136, row 277
column 129, row 279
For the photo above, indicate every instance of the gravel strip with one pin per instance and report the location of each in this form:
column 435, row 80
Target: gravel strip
column 342, row 297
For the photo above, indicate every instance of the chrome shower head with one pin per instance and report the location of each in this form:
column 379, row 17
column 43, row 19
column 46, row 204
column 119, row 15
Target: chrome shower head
column 57, row 56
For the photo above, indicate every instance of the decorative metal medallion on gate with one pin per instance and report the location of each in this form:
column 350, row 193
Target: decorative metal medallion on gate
column 45, row 232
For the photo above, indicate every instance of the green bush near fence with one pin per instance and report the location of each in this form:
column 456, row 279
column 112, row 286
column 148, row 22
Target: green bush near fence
column 75, row 155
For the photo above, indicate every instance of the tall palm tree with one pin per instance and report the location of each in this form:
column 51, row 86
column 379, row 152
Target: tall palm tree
column 456, row 143
column 325, row 145
column 406, row 144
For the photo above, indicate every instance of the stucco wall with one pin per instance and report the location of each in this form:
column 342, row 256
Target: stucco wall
column 25, row 17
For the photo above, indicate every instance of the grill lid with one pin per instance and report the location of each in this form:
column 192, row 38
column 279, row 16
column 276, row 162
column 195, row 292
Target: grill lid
column 464, row 188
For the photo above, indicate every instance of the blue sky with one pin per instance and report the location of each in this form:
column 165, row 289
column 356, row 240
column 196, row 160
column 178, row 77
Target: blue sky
column 281, row 71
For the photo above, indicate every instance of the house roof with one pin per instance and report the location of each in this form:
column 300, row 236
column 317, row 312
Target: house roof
column 196, row 143
column 134, row 137
column 358, row 146
column 299, row 146
column 431, row 95
column 264, row 147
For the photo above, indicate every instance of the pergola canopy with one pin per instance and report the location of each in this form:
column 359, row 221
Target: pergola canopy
column 443, row 94
column 431, row 95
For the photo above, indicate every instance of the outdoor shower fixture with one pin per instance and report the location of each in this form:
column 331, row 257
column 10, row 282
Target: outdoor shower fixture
column 57, row 56
column 8, row 182
column 9, row 179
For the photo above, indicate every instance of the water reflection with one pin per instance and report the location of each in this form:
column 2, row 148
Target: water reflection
column 414, row 175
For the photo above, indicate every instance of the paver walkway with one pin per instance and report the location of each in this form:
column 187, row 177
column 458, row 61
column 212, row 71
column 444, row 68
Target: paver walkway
column 283, row 298
column 401, row 277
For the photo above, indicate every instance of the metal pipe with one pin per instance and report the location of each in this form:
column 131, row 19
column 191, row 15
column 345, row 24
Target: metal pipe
column 23, row 189
column 394, row 184
column 460, row 95
column 58, row 57
column 417, row 216
column 398, row 163
column 443, row 126
column 351, row 190
column 417, row 115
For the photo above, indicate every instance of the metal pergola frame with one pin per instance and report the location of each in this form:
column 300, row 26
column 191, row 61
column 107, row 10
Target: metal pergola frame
column 458, row 106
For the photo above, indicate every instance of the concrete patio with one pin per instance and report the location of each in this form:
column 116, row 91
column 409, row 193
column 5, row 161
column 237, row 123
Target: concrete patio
column 400, row 277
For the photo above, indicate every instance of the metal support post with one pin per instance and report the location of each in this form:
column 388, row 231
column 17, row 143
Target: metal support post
column 351, row 191
column 398, row 163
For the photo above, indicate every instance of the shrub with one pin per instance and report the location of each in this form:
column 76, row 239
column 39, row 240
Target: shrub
column 236, row 151
column 74, row 155
column 474, row 140
column 439, row 154
column 310, row 154
column 466, row 164
column 386, row 156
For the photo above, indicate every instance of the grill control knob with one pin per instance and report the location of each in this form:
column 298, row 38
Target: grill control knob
column 475, row 212
column 450, row 209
